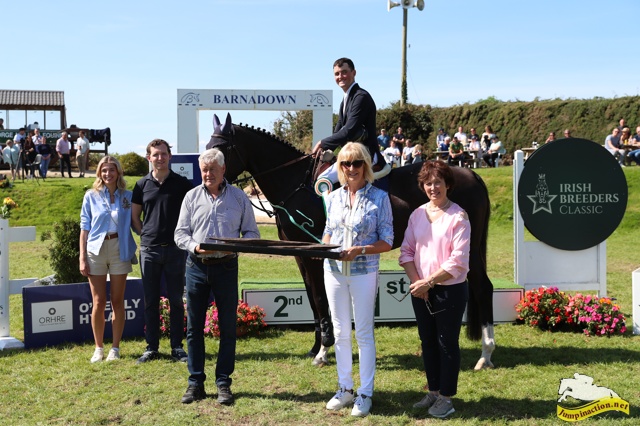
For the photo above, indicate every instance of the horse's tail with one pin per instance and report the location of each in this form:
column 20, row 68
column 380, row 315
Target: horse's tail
column 480, row 304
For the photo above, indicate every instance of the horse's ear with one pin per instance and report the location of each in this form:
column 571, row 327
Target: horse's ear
column 216, row 125
column 228, row 129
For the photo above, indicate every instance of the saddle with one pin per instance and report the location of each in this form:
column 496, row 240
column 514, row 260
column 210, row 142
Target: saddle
column 323, row 162
column 324, row 185
column 327, row 159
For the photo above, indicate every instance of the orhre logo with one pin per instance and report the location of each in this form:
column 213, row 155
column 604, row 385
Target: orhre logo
column 600, row 399
column 51, row 316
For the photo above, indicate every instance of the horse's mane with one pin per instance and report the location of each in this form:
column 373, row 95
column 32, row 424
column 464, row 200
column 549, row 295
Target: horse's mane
column 265, row 133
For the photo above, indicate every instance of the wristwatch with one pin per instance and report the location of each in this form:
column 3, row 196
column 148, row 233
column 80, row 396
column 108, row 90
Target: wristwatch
column 364, row 249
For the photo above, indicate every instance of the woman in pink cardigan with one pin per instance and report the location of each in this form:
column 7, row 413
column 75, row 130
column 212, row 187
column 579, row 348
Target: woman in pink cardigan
column 435, row 256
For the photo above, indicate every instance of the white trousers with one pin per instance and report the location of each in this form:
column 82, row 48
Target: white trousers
column 357, row 292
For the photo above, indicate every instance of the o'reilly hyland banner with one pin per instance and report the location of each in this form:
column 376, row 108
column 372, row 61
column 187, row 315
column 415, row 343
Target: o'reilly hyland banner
column 62, row 313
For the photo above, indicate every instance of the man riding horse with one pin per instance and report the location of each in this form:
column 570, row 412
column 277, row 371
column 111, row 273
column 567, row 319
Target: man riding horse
column 356, row 118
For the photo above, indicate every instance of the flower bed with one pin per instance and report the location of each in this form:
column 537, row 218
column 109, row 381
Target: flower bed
column 250, row 319
column 551, row 309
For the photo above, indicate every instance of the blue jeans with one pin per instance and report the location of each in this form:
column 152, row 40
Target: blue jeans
column 44, row 167
column 222, row 280
column 439, row 331
column 635, row 156
column 156, row 261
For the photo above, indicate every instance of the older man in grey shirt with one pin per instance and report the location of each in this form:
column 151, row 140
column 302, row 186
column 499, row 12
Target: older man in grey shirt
column 213, row 209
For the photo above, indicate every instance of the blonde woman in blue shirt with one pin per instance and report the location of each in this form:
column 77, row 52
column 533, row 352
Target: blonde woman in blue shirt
column 359, row 219
column 107, row 246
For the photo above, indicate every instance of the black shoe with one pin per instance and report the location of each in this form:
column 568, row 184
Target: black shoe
column 194, row 393
column 148, row 356
column 225, row 396
column 178, row 354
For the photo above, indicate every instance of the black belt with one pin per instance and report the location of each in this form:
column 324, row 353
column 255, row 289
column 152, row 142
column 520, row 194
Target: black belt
column 215, row 260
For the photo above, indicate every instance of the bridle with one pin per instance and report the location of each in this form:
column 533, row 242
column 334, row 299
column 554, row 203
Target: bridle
column 227, row 146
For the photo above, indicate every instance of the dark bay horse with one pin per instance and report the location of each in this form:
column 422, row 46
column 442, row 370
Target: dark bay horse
column 284, row 175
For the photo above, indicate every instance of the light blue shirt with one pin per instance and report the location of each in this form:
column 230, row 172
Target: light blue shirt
column 95, row 217
column 371, row 221
column 202, row 217
column 11, row 154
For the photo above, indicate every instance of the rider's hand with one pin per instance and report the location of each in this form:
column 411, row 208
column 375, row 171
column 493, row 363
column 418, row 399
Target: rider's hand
column 316, row 148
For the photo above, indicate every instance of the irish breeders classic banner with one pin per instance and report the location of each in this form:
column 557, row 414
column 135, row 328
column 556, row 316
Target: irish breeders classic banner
column 572, row 194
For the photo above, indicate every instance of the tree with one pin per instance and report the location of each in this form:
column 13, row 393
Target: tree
column 295, row 127
column 415, row 121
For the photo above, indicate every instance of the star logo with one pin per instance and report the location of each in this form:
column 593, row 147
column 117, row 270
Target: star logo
column 542, row 199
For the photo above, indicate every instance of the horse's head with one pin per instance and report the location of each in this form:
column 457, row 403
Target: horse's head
column 222, row 139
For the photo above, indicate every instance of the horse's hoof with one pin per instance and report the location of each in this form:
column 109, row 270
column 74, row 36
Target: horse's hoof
column 318, row 362
column 482, row 364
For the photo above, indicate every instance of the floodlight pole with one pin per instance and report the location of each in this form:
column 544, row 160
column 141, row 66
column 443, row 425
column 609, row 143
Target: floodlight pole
column 406, row 4
column 403, row 84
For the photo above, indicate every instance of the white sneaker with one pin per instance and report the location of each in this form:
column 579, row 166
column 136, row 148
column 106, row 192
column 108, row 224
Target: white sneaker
column 361, row 406
column 98, row 355
column 442, row 408
column 426, row 402
column 341, row 399
column 114, row 354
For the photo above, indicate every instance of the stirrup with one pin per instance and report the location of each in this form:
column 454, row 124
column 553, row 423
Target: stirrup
column 327, row 156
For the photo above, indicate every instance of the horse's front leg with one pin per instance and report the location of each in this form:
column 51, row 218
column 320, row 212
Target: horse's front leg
column 318, row 297
column 488, row 346
column 565, row 394
column 313, row 276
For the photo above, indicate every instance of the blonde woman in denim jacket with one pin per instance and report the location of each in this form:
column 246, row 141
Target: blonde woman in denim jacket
column 107, row 247
column 359, row 219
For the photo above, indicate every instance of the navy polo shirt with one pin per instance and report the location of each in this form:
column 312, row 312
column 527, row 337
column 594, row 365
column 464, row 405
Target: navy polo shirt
column 160, row 207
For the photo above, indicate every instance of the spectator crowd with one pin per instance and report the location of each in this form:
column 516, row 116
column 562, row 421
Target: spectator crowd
column 464, row 150
column 29, row 153
column 478, row 150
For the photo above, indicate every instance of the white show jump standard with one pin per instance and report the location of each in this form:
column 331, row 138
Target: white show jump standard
column 7, row 286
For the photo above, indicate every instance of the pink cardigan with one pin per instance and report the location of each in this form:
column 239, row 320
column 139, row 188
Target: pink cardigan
column 442, row 244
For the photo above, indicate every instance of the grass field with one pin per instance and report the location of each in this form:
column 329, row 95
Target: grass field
column 275, row 383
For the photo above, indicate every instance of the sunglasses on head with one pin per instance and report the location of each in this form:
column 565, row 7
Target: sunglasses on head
column 355, row 163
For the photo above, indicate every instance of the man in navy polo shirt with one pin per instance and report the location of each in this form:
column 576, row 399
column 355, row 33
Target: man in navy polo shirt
column 159, row 196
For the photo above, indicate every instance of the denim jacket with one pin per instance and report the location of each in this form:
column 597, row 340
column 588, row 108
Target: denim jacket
column 95, row 218
column 372, row 221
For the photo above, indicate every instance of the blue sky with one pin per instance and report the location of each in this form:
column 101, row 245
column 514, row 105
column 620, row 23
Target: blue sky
column 120, row 63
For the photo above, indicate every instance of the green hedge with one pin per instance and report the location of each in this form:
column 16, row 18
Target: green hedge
column 518, row 124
